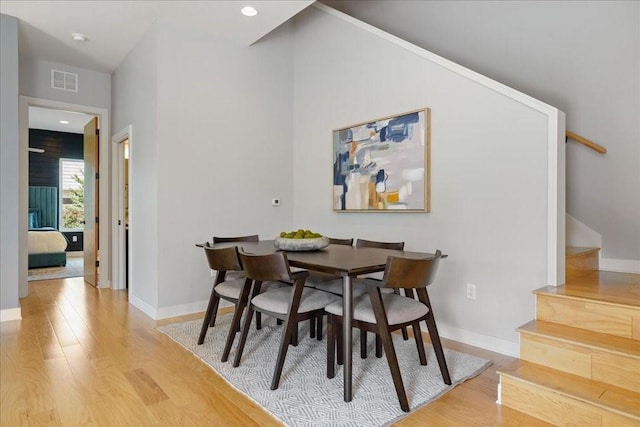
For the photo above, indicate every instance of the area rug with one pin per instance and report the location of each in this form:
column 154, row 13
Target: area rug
column 74, row 268
column 306, row 397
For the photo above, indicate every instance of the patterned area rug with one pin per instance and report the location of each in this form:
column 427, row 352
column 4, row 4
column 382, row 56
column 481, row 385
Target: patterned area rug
column 74, row 268
column 306, row 397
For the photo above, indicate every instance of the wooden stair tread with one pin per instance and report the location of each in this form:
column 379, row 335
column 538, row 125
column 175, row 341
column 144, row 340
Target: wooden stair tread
column 571, row 251
column 600, row 394
column 603, row 286
column 595, row 340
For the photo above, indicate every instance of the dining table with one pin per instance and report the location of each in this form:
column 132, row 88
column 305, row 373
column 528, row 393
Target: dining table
column 347, row 262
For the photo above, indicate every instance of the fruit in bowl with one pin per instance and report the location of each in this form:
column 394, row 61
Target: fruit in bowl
column 300, row 240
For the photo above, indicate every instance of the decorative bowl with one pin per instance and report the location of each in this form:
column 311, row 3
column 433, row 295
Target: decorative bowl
column 299, row 245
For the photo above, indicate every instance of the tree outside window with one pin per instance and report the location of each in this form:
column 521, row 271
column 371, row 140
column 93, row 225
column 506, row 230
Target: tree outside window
column 72, row 194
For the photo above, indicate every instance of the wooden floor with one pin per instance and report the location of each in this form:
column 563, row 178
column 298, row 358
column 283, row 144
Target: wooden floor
column 82, row 356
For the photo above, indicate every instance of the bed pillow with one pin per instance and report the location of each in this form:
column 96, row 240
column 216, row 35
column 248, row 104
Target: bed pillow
column 34, row 218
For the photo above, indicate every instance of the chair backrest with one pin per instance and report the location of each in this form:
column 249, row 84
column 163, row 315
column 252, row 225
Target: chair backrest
column 410, row 273
column 346, row 242
column 250, row 238
column 362, row 243
column 222, row 259
column 266, row 267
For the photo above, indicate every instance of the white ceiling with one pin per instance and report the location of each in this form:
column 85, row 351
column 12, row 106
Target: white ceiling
column 114, row 27
column 49, row 119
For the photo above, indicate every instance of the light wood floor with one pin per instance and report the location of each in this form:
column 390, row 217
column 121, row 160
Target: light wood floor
column 82, row 356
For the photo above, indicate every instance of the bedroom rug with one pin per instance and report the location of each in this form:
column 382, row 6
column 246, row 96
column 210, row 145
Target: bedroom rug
column 306, row 397
column 74, row 268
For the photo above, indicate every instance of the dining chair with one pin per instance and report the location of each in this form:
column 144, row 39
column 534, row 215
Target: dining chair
column 225, row 260
column 383, row 313
column 291, row 304
column 335, row 286
column 232, row 275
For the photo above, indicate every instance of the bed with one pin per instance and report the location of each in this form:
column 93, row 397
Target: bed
column 47, row 245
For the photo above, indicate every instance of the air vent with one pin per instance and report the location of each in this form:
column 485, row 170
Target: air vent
column 64, row 81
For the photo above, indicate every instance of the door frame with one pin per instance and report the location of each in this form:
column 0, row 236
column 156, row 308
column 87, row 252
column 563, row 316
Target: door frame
column 117, row 197
column 104, row 281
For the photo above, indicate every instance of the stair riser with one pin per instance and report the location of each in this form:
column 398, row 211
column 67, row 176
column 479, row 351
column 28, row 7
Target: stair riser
column 591, row 315
column 596, row 364
column 555, row 408
column 579, row 265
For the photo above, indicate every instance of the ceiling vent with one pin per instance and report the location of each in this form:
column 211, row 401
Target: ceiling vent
column 64, row 81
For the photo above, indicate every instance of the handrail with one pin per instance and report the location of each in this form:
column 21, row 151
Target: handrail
column 585, row 141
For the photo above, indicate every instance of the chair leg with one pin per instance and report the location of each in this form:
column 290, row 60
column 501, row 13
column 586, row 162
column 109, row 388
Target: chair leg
column 319, row 327
column 258, row 321
column 387, row 343
column 243, row 300
column 423, row 296
column 312, row 327
column 243, row 337
column 290, row 324
column 378, row 346
column 437, row 348
column 363, row 344
column 418, row 337
column 209, row 316
column 337, row 332
column 278, row 321
column 405, row 334
column 331, row 348
column 215, row 313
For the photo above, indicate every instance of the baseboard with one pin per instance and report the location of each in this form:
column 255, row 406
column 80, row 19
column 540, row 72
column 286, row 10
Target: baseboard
column 508, row 348
column 147, row 309
column 620, row 265
column 181, row 309
column 172, row 311
column 9, row 314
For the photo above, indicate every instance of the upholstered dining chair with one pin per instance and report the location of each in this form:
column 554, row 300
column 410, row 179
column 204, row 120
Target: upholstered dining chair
column 383, row 313
column 291, row 304
column 335, row 286
column 224, row 260
column 232, row 275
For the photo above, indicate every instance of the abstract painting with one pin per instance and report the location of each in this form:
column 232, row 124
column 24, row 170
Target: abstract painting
column 383, row 165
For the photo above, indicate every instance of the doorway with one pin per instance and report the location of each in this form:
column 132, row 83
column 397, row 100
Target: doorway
column 121, row 214
column 60, row 170
column 26, row 103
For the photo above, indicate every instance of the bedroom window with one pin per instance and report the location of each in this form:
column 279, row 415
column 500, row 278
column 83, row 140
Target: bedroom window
column 71, row 194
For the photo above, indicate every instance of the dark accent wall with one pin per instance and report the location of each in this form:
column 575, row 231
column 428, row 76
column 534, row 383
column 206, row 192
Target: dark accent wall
column 44, row 168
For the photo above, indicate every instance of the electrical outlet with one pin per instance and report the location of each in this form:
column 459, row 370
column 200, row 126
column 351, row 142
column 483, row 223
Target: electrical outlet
column 471, row 291
column 275, row 202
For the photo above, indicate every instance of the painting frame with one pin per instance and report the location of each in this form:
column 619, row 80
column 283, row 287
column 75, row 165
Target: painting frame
column 383, row 165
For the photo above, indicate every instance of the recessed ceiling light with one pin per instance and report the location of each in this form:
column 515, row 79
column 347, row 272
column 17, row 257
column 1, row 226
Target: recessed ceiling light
column 79, row 37
column 64, row 122
column 249, row 11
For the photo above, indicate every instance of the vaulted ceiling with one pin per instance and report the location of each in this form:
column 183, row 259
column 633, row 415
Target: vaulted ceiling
column 114, row 27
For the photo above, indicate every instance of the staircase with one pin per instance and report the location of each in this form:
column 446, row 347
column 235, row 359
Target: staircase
column 580, row 357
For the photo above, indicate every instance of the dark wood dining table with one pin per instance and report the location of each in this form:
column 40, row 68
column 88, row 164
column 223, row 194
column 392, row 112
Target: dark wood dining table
column 340, row 260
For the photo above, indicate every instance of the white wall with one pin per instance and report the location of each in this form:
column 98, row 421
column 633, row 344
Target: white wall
column 9, row 170
column 581, row 56
column 216, row 152
column 94, row 87
column 135, row 102
column 489, row 172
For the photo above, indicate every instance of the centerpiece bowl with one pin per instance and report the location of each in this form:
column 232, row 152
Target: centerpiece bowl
column 300, row 245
